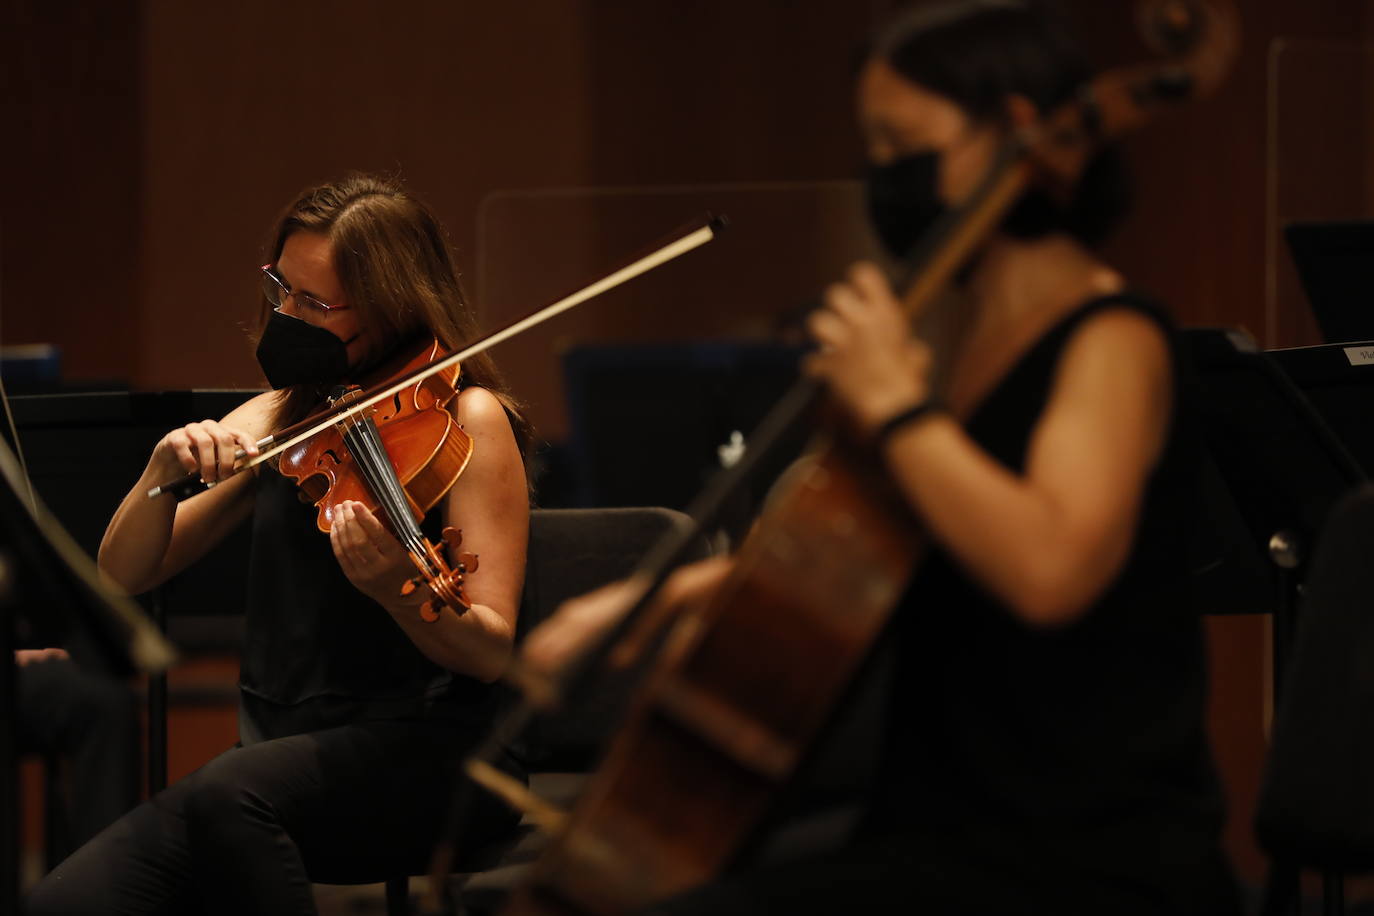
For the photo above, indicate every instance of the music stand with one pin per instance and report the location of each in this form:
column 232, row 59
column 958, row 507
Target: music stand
column 1273, row 469
column 1333, row 262
column 41, row 567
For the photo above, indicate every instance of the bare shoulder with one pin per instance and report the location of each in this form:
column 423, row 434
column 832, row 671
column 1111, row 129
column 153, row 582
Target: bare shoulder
column 1121, row 338
column 1121, row 328
column 495, row 475
column 482, row 415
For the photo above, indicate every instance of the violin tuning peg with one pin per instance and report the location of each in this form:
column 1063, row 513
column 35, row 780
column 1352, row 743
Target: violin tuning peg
column 467, row 563
column 453, row 537
column 409, row 587
column 428, row 613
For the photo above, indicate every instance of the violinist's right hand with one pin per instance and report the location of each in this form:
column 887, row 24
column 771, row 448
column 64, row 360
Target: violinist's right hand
column 207, row 448
column 579, row 622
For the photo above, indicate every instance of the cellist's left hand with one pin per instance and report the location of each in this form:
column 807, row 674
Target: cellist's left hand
column 370, row 556
column 874, row 366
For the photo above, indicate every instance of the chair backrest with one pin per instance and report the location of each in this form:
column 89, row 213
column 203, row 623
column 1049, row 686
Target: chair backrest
column 571, row 552
column 1316, row 806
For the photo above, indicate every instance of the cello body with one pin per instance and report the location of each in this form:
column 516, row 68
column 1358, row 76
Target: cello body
column 745, row 682
column 742, row 688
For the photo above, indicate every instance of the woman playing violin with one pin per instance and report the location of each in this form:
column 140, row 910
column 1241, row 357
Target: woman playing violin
column 353, row 711
column 1045, row 748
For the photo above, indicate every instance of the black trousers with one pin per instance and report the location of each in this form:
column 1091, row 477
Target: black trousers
column 250, row 831
column 91, row 722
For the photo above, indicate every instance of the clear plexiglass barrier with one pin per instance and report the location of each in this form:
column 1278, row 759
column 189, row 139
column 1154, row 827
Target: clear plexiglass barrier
column 1320, row 170
column 783, row 244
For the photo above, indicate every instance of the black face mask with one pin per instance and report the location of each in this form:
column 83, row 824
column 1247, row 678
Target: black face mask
column 295, row 352
column 904, row 200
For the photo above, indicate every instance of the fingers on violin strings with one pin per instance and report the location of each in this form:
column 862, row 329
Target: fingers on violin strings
column 375, row 531
column 346, row 539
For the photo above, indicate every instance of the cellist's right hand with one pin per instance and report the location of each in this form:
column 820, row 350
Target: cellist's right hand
column 579, row 622
column 207, row 448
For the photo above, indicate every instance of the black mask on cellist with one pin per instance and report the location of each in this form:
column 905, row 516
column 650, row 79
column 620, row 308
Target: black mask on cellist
column 904, row 200
column 904, row 203
column 296, row 352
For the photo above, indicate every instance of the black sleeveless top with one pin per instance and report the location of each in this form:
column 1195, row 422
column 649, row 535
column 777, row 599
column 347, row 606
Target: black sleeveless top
column 1077, row 750
column 318, row 652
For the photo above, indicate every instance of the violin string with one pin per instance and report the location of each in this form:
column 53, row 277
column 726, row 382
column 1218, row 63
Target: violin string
column 364, row 442
column 365, row 455
column 366, row 460
column 387, row 473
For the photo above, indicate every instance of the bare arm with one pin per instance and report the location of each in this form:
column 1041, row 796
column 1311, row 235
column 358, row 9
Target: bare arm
column 490, row 505
column 1047, row 541
column 580, row 621
column 150, row 540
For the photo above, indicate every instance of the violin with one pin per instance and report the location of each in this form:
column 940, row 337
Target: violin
column 352, row 449
column 398, row 457
column 815, row 582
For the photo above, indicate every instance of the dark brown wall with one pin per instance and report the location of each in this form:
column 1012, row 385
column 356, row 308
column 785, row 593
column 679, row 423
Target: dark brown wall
column 71, row 196
column 152, row 143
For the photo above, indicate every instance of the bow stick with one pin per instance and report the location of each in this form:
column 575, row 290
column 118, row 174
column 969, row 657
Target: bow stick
column 684, row 241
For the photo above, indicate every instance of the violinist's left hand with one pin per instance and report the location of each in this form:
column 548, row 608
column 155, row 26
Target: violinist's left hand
column 874, row 366
column 370, row 556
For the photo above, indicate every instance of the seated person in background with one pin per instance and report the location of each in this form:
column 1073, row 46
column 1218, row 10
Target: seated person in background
column 91, row 723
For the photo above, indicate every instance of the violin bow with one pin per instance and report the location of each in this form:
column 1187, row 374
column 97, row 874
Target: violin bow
column 681, row 242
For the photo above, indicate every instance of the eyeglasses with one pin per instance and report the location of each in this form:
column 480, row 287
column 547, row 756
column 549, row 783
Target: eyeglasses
column 277, row 292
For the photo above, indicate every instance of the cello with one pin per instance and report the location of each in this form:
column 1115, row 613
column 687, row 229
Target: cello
column 817, row 578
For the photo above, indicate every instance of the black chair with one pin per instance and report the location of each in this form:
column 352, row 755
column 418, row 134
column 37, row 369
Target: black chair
column 818, row 812
column 1316, row 806
column 571, row 552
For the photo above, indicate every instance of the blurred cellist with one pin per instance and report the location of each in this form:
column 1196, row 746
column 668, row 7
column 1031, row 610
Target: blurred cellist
column 1045, row 747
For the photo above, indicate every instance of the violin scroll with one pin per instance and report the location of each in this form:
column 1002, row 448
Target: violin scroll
column 444, row 581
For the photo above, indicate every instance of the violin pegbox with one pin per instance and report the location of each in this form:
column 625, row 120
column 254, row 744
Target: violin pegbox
column 445, row 581
column 453, row 539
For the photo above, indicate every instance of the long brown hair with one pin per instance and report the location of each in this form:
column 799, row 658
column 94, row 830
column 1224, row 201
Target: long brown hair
column 397, row 274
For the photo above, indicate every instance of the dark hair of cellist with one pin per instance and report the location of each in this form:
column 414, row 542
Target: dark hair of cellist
column 1045, row 730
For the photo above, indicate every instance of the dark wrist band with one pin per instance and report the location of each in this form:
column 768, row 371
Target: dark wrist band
column 895, row 422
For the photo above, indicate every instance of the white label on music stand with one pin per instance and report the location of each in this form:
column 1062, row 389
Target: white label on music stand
column 1360, row 356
